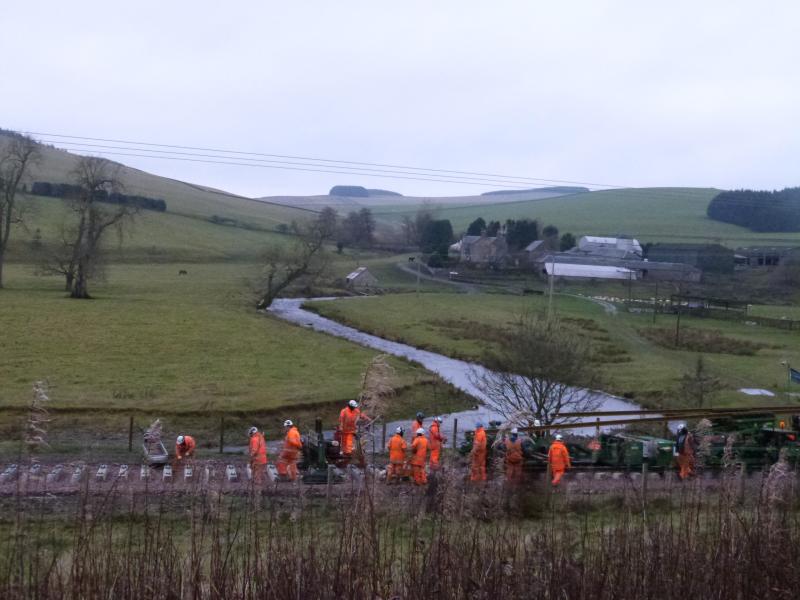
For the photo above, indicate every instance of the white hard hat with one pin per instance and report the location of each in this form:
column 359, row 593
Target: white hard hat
column 438, row 419
column 180, row 439
column 399, row 430
column 514, row 430
column 420, row 431
column 558, row 436
column 537, row 423
column 681, row 426
column 252, row 431
column 288, row 423
column 353, row 404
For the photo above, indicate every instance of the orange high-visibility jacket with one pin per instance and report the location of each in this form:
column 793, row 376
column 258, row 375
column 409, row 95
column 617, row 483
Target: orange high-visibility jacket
column 292, row 441
column 397, row 449
column 437, row 439
column 348, row 419
column 258, row 448
column 558, row 456
column 479, row 441
column 415, row 424
column 419, row 450
column 188, row 446
column 514, row 451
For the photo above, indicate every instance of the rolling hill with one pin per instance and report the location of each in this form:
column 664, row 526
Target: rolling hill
column 650, row 214
column 390, row 202
column 200, row 223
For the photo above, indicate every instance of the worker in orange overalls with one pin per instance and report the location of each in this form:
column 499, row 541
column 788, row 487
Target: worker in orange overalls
column 258, row 454
column 184, row 447
column 292, row 445
column 558, row 457
column 513, row 458
column 477, row 470
column 397, row 456
column 348, row 426
column 684, row 444
column 419, row 453
column 417, row 423
column 437, row 440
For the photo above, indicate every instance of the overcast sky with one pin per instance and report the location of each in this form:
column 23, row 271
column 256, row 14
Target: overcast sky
column 625, row 93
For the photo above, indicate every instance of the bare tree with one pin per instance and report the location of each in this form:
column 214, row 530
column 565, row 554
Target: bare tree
column 15, row 160
column 304, row 259
column 699, row 385
column 83, row 240
column 541, row 369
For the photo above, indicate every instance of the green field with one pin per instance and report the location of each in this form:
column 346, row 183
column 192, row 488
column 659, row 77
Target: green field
column 630, row 364
column 153, row 340
column 649, row 214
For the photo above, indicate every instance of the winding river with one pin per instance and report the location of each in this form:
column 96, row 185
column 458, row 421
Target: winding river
column 459, row 373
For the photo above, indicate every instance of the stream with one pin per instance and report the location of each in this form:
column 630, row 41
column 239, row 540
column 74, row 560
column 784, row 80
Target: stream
column 459, row 373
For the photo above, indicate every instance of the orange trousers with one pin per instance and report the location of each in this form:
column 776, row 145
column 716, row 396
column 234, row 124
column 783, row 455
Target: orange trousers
column 287, row 465
column 435, row 453
column 477, row 471
column 686, row 465
column 513, row 472
column 558, row 473
column 258, row 471
column 418, row 472
column 395, row 470
column 348, row 442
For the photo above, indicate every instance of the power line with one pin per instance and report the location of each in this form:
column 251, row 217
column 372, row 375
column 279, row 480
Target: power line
column 353, row 170
column 532, row 180
column 263, row 166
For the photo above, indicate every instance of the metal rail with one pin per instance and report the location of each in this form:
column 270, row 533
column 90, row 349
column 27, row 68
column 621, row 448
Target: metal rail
column 665, row 411
column 658, row 419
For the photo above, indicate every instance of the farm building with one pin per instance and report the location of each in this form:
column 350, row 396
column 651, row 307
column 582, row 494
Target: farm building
column 360, row 278
column 610, row 247
column 642, row 269
column 579, row 271
column 535, row 250
column 762, row 257
column 712, row 258
column 481, row 249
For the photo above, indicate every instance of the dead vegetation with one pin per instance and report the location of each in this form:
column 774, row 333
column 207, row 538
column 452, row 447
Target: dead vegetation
column 700, row 340
column 449, row 541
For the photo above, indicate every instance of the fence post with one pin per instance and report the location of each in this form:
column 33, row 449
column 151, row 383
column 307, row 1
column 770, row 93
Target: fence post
column 455, row 433
column 130, row 433
column 383, row 436
column 644, row 481
column 221, row 433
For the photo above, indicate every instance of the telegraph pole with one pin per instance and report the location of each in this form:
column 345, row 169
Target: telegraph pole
column 550, row 290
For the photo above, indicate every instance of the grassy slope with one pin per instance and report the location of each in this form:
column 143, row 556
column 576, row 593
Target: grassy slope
column 650, row 214
column 154, row 236
column 182, row 198
column 651, row 375
column 155, row 340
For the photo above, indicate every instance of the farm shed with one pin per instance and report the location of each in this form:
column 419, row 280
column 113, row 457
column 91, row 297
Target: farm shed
column 360, row 278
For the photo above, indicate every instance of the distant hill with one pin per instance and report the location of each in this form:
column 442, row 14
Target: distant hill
column 200, row 223
column 376, row 192
column 667, row 214
column 381, row 199
column 357, row 191
column 558, row 189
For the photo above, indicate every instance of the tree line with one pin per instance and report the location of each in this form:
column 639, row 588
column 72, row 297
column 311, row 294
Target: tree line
column 758, row 210
column 520, row 233
column 69, row 190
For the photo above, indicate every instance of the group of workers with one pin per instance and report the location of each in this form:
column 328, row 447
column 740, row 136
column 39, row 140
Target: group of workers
column 413, row 458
